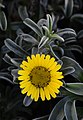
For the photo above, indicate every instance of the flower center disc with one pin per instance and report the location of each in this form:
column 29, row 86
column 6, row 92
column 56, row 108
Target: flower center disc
column 40, row 76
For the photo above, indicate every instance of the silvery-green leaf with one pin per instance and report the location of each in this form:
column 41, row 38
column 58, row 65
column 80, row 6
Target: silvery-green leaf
column 80, row 34
column 10, row 60
column 60, row 49
column 77, row 18
column 7, row 59
column 6, row 76
column 1, row 5
column 49, row 22
column 67, row 70
column 22, row 10
column 33, row 26
column 18, row 40
column 53, row 53
column 68, row 31
column 70, row 110
column 29, row 38
column 42, row 118
column 3, row 21
column 43, row 41
column 15, row 75
column 41, row 22
column 46, row 30
column 15, row 48
column 75, row 48
column 68, row 7
column 16, row 25
column 56, row 36
column 69, row 62
column 76, row 88
column 19, row 31
column 34, row 51
column 58, row 111
column 27, row 101
column 70, row 40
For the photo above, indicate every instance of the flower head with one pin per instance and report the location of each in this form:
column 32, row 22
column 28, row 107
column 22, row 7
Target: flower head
column 39, row 77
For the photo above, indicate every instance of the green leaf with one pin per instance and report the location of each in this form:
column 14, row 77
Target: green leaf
column 22, row 10
column 49, row 22
column 47, row 32
column 29, row 38
column 76, row 88
column 77, row 18
column 3, row 21
column 15, row 48
column 34, row 51
column 27, row 101
column 68, row 7
column 56, row 36
column 58, row 111
column 42, row 22
column 42, row 118
column 10, row 60
column 70, row 110
column 6, row 76
column 69, row 62
column 53, row 53
column 75, row 48
column 43, row 41
column 66, row 31
column 67, row 70
column 15, row 75
column 80, row 34
column 33, row 26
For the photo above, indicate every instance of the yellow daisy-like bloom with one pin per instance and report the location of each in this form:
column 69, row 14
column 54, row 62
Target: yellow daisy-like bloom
column 39, row 77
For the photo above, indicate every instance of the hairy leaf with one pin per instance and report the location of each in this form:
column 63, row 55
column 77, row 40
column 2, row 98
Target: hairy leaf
column 76, row 88
column 58, row 111
column 33, row 26
column 3, row 21
column 27, row 101
column 70, row 110
column 15, row 48
column 69, row 62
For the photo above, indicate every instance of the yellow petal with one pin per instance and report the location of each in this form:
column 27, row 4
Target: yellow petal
column 42, row 94
column 23, row 84
column 30, row 90
column 51, row 91
column 36, row 94
column 47, row 94
column 23, row 91
column 53, row 67
column 42, row 59
column 33, row 93
column 55, row 89
column 51, row 62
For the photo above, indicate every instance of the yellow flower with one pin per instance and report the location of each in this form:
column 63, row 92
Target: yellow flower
column 39, row 77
